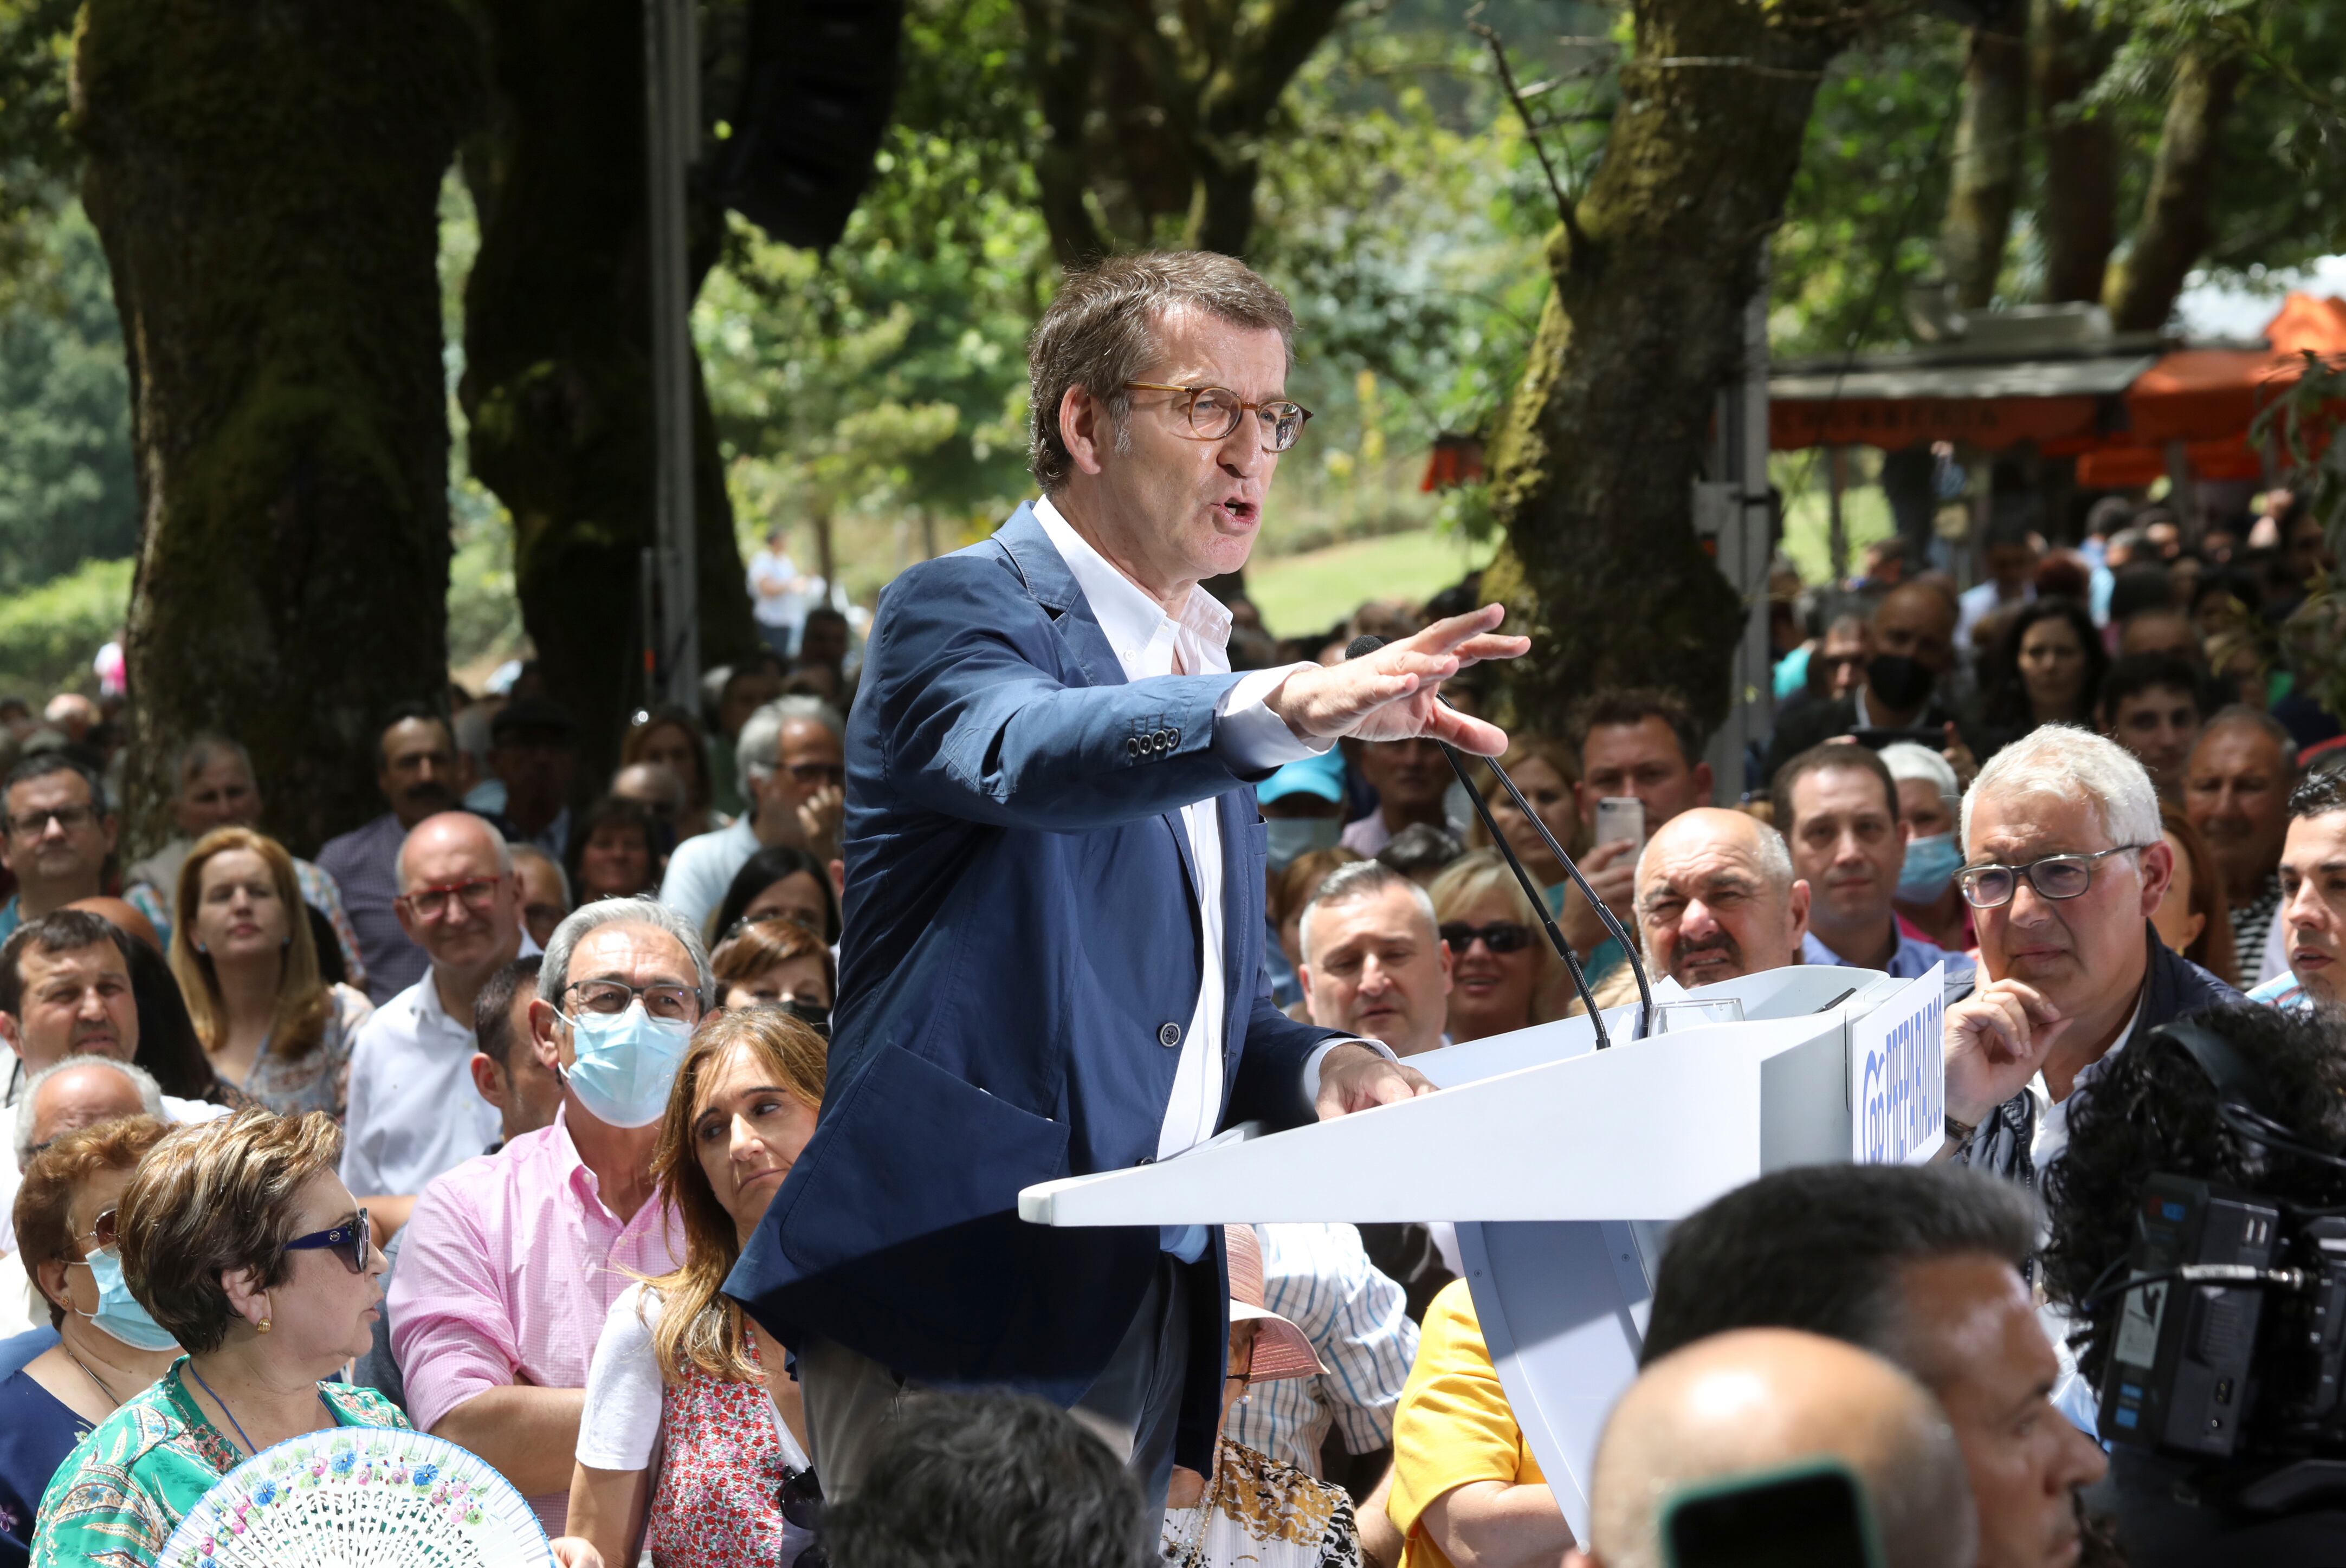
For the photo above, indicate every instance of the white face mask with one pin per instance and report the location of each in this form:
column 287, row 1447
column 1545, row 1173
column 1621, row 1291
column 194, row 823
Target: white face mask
column 624, row 1063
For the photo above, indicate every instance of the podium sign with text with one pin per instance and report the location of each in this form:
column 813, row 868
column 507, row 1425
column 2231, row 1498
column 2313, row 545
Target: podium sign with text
column 1897, row 1075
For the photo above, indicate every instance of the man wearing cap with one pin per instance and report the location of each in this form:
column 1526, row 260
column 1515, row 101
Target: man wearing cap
column 1245, row 1512
column 1302, row 808
column 534, row 753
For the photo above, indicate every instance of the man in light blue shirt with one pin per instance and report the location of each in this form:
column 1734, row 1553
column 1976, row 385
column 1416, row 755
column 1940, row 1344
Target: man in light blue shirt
column 1837, row 807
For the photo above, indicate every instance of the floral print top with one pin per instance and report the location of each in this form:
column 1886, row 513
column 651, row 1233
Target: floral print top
column 119, row 1496
column 321, row 1079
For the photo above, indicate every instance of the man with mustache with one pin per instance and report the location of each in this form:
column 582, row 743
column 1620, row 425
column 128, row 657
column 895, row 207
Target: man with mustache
column 1717, row 898
column 415, row 768
column 2236, row 792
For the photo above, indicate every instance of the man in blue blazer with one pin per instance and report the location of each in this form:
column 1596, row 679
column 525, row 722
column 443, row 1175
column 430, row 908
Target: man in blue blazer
column 1052, row 961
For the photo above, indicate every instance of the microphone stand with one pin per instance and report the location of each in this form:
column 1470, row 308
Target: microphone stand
column 1369, row 644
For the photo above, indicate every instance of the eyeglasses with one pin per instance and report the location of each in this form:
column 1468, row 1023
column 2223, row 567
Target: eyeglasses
column 1499, row 936
column 351, row 1241
column 106, row 1230
column 32, row 824
column 2053, row 876
column 1215, row 412
column 1236, row 1371
column 661, row 999
column 816, row 772
column 432, row 904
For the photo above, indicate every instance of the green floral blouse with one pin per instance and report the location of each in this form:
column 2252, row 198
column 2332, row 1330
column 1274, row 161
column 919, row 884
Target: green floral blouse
column 119, row 1496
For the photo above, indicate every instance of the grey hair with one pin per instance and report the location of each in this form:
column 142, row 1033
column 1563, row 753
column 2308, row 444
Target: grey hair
column 150, row 1095
column 2061, row 759
column 504, row 851
column 561, row 877
column 198, row 751
column 554, row 972
column 1361, row 880
column 1907, row 761
column 758, row 751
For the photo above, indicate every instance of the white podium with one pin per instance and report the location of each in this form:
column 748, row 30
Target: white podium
column 1561, row 1165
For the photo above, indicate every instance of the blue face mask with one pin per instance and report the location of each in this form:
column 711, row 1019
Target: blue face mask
column 1293, row 836
column 118, row 1314
column 625, row 1064
column 1932, row 863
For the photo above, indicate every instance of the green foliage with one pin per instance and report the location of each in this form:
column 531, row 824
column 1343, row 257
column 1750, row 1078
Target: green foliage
column 49, row 634
column 35, row 154
column 890, row 375
column 67, row 488
column 1871, row 185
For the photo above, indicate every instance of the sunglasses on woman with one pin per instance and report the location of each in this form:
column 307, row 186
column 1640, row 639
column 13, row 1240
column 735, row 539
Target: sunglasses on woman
column 1499, row 936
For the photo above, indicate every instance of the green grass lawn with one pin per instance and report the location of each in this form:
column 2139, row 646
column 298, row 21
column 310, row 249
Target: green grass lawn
column 1311, row 592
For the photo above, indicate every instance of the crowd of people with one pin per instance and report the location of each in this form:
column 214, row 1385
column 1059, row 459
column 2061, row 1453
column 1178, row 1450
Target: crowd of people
column 465, row 1123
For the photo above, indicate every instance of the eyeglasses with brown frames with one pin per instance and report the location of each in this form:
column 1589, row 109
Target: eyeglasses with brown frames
column 1215, row 412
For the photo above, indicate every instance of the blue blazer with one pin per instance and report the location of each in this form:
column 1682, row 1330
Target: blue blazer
column 1021, row 955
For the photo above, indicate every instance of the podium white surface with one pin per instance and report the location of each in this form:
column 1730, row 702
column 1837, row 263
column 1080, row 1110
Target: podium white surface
column 1560, row 1164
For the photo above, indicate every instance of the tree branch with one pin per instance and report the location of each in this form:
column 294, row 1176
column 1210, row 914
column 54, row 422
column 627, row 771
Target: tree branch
column 1565, row 210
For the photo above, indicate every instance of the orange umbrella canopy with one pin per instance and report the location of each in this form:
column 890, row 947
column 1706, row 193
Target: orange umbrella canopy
column 2215, row 394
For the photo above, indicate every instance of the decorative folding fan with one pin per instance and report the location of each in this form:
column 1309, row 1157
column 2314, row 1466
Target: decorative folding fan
column 353, row 1497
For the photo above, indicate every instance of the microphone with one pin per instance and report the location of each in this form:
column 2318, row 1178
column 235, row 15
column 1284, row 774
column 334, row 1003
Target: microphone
column 1368, row 644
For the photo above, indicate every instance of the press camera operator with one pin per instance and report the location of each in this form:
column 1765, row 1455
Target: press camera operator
column 2222, row 1449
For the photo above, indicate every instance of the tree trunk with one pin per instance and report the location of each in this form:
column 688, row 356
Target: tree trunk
column 1610, row 425
column 2079, row 213
column 266, row 178
column 2174, row 228
column 1132, row 113
column 558, row 346
column 1986, row 182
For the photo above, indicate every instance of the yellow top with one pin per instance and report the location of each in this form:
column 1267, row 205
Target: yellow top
column 1454, row 1425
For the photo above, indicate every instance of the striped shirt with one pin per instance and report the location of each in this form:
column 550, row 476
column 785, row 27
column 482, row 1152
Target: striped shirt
column 1318, row 1277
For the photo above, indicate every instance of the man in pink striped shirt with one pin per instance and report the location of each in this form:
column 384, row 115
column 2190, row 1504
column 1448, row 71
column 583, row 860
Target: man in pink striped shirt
column 513, row 1259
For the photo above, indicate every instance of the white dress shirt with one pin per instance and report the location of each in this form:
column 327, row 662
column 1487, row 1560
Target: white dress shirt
column 414, row 1111
column 1247, row 736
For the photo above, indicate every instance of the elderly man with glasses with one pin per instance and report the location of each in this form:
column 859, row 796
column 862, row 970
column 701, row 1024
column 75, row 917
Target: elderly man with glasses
column 414, row 1111
column 2062, row 865
column 513, row 1259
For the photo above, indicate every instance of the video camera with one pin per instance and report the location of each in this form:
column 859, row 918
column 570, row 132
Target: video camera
column 2224, row 1339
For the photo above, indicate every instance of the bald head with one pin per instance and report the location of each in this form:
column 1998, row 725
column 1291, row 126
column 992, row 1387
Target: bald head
column 1917, row 621
column 1717, row 898
column 452, row 840
column 459, row 902
column 81, row 1093
column 1763, row 1398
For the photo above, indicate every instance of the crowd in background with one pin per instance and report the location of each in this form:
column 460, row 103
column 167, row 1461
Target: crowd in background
column 419, row 1063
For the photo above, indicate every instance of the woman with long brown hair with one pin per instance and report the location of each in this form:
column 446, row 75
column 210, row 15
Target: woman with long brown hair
column 2193, row 918
column 247, row 964
column 679, row 1360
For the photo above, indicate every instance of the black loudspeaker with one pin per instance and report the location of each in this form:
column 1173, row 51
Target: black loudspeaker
column 820, row 82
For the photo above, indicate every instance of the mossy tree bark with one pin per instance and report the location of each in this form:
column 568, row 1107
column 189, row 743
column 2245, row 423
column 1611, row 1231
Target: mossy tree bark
column 265, row 176
column 2079, row 215
column 1985, row 184
column 1158, row 115
column 557, row 348
column 2175, row 227
column 1594, row 458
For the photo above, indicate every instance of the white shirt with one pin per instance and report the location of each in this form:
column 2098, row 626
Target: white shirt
column 784, row 608
column 703, row 866
column 1248, row 736
column 413, row 1109
column 618, row 1427
column 1319, row 1277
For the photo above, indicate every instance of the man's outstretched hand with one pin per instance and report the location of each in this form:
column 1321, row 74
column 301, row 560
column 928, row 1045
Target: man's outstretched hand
column 1391, row 694
column 1355, row 1078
